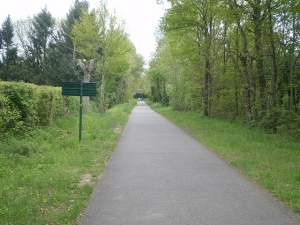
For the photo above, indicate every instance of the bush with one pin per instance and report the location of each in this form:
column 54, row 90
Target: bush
column 25, row 106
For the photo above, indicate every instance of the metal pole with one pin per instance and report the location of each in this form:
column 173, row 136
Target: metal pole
column 80, row 111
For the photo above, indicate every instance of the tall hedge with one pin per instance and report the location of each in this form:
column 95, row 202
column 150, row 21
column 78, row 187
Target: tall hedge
column 25, row 106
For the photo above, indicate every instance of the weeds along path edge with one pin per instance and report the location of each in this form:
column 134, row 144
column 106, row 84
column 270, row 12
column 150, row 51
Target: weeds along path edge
column 47, row 176
column 270, row 160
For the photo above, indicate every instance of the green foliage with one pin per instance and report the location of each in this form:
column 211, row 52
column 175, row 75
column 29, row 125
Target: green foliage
column 8, row 51
column 85, row 36
column 45, row 53
column 24, row 106
column 7, row 34
column 75, row 13
column 43, row 175
column 158, row 88
column 40, row 35
column 237, row 62
column 18, row 147
column 100, row 35
column 49, row 49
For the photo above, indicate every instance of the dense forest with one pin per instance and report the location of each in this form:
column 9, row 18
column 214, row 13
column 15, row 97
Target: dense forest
column 232, row 59
column 88, row 44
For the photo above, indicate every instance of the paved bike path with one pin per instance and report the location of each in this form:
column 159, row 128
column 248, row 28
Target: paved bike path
column 159, row 175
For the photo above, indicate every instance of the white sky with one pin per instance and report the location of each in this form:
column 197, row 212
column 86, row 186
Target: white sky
column 141, row 16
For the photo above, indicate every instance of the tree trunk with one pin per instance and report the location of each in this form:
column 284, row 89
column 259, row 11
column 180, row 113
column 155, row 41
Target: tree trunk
column 206, row 87
column 86, row 78
column 102, row 86
column 207, row 67
column 245, row 77
column 257, row 18
column 243, row 56
column 292, row 71
column 274, row 74
column 74, row 55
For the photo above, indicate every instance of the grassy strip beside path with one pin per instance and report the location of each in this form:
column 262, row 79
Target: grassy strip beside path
column 47, row 176
column 273, row 161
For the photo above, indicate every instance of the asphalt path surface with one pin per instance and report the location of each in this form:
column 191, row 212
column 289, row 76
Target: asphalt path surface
column 159, row 175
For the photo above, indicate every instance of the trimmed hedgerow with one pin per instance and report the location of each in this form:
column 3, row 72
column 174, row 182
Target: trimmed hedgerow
column 25, row 106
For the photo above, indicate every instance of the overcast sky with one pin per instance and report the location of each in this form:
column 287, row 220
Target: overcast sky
column 141, row 16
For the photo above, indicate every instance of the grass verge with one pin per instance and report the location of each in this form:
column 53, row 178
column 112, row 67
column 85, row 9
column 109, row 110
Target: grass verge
column 272, row 161
column 46, row 177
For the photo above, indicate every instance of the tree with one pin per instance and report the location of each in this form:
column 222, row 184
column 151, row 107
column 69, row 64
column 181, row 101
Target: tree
column 84, row 37
column 189, row 30
column 40, row 36
column 46, row 50
column 61, row 61
column 8, row 57
column 242, row 55
column 132, row 80
column 194, row 22
column 99, row 35
column 22, row 29
column 86, row 69
column 74, row 14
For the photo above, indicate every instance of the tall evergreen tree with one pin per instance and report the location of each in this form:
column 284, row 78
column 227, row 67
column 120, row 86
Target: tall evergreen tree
column 41, row 35
column 9, row 57
column 61, row 65
column 74, row 14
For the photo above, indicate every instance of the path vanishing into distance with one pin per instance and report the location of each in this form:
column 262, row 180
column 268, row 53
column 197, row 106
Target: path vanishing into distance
column 159, row 175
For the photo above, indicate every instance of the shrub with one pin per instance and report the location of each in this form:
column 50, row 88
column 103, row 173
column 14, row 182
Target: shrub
column 24, row 106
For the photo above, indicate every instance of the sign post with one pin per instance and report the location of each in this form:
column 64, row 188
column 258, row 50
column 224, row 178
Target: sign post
column 79, row 88
column 80, row 111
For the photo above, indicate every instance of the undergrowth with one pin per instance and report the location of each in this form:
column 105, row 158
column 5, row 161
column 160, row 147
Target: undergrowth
column 41, row 172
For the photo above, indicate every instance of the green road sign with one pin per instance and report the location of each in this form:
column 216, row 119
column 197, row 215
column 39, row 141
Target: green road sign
column 79, row 88
column 89, row 89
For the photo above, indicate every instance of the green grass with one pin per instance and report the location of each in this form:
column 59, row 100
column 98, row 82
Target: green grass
column 272, row 161
column 40, row 173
